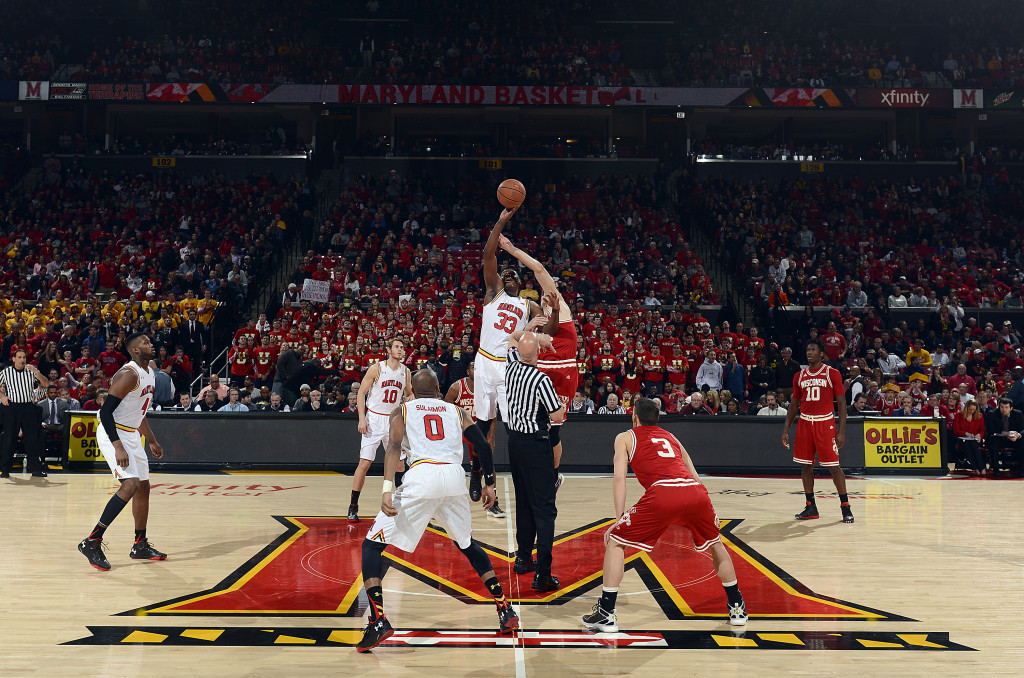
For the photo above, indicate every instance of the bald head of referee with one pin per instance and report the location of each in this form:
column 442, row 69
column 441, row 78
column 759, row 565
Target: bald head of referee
column 529, row 348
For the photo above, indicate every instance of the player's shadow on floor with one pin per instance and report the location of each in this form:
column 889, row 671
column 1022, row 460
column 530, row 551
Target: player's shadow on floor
column 783, row 531
column 33, row 482
column 220, row 548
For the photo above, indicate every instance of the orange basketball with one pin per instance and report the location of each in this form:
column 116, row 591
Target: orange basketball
column 511, row 193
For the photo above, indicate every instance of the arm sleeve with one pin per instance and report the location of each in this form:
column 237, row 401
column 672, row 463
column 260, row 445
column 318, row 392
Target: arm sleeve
column 107, row 417
column 483, row 450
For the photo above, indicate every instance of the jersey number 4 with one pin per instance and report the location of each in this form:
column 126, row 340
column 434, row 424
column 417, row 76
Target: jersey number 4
column 506, row 323
column 434, row 427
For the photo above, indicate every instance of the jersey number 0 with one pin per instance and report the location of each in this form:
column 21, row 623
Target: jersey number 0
column 434, row 427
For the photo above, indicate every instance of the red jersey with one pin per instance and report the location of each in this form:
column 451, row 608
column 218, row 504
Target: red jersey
column 465, row 397
column 683, row 366
column 654, row 368
column 564, row 341
column 263, row 360
column 241, row 361
column 657, row 458
column 817, row 390
column 835, row 343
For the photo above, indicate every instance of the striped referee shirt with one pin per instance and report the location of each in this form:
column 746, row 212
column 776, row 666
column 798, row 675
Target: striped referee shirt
column 20, row 385
column 528, row 390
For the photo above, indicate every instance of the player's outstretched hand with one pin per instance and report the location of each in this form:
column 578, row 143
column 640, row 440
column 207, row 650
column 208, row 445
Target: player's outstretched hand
column 551, row 300
column 156, row 449
column 488, row 496
column 386, row 506
column 785, row 440
column 505, row 244
column 507, row 213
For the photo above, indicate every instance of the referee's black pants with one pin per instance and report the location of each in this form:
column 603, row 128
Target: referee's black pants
column 24, row 416
column 533, row 474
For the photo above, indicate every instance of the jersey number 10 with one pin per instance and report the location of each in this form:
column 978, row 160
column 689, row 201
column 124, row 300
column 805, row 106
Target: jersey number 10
column 812, row 393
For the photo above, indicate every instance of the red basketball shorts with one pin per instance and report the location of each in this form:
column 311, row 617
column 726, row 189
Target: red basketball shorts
column 816, row 437
column 685, row 503
column 565, row 380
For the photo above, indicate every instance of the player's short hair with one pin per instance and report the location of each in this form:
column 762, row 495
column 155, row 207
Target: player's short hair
column 133, row 337
column 400, row 340
column 20, row 350
column 818, row 343
column 646, row 411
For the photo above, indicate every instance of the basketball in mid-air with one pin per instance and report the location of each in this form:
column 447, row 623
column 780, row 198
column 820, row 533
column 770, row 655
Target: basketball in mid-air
column 511, row 193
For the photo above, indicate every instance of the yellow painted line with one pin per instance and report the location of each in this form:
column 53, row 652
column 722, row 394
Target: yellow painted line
column 668, row 587
column 730, row 641
column 781, row 638
column 202, row 634
column 293, row 640
column 918, row 640
column 876, row 643
column 283, row 473
column 347, row 637
column 353, row 592
column 144, row 637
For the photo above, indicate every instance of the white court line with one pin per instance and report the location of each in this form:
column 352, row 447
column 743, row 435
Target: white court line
column 517, row 645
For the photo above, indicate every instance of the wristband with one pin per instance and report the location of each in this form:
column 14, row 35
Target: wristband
column 388, row 487
column 490, row 480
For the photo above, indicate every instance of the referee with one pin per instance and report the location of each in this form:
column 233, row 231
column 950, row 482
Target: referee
column 20, row 412
column 532, row 406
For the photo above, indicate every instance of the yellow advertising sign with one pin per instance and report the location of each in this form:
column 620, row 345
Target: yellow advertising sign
column 812, row 167
column 902, row 443
column 82, row 439
column 164, row 162
column 489, row 164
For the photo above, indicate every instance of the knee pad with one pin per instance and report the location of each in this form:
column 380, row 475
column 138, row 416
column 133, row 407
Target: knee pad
column 477, row 558
column 373, row 559
column 555, row 435
column 485, row 426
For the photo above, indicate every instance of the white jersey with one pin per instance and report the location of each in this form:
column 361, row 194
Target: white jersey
column 434, row 431
column 501, row 317
column 387, row 389
column 132, row 408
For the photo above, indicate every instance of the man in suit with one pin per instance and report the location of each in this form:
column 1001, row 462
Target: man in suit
column 191, row 338
column 1005, row 435
column 53, row 411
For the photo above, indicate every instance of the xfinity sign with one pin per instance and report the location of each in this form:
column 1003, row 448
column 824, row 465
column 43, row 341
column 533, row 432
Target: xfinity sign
column 905, row 98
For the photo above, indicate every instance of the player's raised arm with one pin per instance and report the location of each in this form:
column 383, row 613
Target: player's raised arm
column 547, row 283
column 491, row 280
column 392, row 457
column 554, row 302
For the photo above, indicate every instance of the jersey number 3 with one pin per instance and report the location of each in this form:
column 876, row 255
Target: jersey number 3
column 506, row 323
column 666, row 450
column 434, row 427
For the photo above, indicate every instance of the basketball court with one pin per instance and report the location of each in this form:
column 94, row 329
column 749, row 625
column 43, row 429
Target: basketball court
column 262, row 579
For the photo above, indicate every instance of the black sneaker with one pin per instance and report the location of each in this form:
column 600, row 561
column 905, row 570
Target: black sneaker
column 5, row 474
column 810, row 512
column 495, row 510
column 524, row 565
column 375, row 633
column 353, row 513
column 143, row 550
column 847, row 513
column 92, row 549
column 545, row 583
column 475, row 486
column 508, row 620
column 600, row 620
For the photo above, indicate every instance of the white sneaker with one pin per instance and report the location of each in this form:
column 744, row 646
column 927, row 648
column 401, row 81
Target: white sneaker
column 559, row 481
column 738, row 614
column 599, row 620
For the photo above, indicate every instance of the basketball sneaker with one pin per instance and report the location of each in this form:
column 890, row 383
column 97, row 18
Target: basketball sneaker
column 475, row 485
column 524, row 565
column 847, row 512
column 92, row 549
column 600, row 620
column 558, row 482
column 353, row 513
column 495, row 510
column 143, row 550
column 377, row 631
column 508, row 620
column 738, row 613
column 810, row 512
